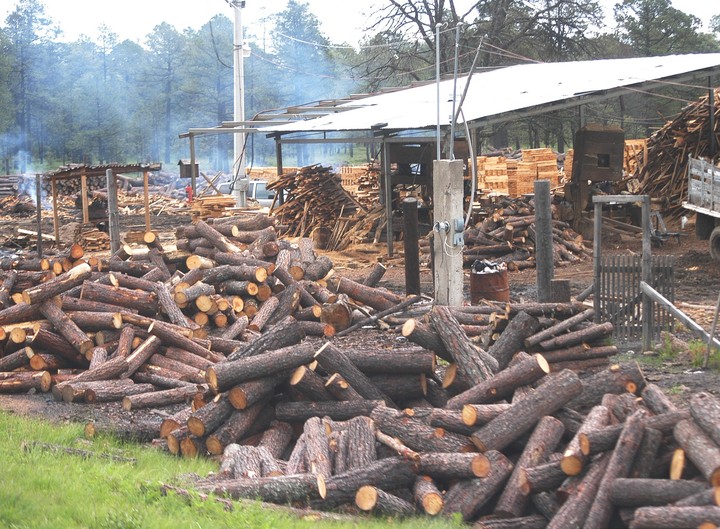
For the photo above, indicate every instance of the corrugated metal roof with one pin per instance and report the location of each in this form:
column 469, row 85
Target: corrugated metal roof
column 501, row 91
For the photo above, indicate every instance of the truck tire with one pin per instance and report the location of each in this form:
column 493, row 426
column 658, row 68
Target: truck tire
column 715, row 244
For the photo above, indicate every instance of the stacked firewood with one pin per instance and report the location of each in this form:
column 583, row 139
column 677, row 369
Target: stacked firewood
column 662, row 165
column 313, row 198
column 507, row 234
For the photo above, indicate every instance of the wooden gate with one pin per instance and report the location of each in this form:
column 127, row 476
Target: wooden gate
column 621, row 298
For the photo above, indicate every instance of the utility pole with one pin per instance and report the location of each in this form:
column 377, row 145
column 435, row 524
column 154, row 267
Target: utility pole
column 238, row 167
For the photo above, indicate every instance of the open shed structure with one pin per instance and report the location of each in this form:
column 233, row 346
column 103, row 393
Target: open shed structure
column 417, row 115
column 83, row 172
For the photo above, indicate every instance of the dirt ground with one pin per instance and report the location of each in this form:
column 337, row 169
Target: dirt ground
column 697, row 280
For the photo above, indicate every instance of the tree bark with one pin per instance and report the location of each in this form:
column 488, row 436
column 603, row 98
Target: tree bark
column 541, row 444
column 626, row 492
column 468, row 497
column 373, row 499
column 225, row 375
column 511, row 340
column 238, row 425
column 520, row 417
column 672, row 517
column 426, row 337
column 700, row 448
column 49, row 289
column 378, row 299
column 504, row 383
column 210, row 417
column 705, row 410
column 576, row 454
column 475, row 364
column 144, row 302
column 141, row 355
column 276, row 438
column 283, row 334
column 317, row 449
column 248, row 393
column 66, row 327
column 558, row 328
column 337, row 411
column 479, row 414
column 450, row 466
column 277, row 489
column 310, row 384
column 427, row 495
column 159, row 398
column 582, row 336
column 106, row 391
column 616, row 379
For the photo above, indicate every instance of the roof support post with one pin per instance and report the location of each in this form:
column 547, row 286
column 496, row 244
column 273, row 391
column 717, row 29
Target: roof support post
column 711, row 110
column 38, row 213
column 388, row 195
column 193, row 167
column 113, row 215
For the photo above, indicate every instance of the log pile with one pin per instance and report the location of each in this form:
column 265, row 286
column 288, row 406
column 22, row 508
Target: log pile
column 505, row 433
column 507, row 234
column 313, row 198
column 662, row 165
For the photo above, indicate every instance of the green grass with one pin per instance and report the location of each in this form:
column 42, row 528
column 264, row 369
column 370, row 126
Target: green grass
column 44, row 489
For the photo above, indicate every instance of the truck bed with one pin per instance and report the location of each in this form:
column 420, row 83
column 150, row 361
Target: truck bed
column 703, row 188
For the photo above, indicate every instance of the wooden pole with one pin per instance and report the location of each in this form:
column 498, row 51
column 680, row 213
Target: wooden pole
column 544, row 267
column 84, row 198
column 646, row 274
column 38, row 213
column 711, row 128
column 193, row 173
column 146, row 203
column 447, row 204
column 387, row 179
column 56, row 219
column 597, row 257
column 113, row 215
column 412, row 251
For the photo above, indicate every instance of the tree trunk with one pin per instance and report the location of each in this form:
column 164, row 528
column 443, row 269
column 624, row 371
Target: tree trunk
column 511, row 340
column 468, row 497
column 416, row 434
column 224, row 375
column 504, row 383
column 522, row 416
column 541, row 444
column 474, row 363
column 337, row 411
column 700, row 448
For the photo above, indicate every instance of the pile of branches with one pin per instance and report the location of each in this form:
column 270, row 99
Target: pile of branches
column 663, row 175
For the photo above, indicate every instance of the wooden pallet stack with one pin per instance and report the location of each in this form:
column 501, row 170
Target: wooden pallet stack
column 546, row 160
column 211, row 206
column 493, row 174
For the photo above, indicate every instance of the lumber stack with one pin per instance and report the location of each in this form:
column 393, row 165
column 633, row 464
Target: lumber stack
column 364, row 185
column 492, row 174
column 662, row 167
column 211, row 207
column 507, row 234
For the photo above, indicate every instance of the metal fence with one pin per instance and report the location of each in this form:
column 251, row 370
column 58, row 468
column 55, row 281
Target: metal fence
column 621, row 299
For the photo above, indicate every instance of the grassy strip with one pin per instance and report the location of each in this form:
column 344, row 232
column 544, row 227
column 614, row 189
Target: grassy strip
column 45, row 488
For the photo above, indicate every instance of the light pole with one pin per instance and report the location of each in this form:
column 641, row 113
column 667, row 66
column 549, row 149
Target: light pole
column 239, row 178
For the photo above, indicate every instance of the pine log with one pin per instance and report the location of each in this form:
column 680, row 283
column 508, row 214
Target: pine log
column 511, row 340
column 576, row 454
column 225, row 375
column 416, row 434
column 24, row 381
column 468, row 497
column 276, row 489
column 618, row 466
column 574, row 511
column 450, row 420
column 310, row 384
column 645, row 462
column 209, row 418
column 9, row 279
column 427, row 495
column 700, row 448
column 671, row 517
column 144, row 302
column 49, row 289
column 248, row 393
column 540, row 445
column 543, row 477
column 169, row 336
column 159, row 398
column 479, row 414
column 616, row 379
column 709, row 496
column 341, row 389
column 141, row 355
column 283, row 334
column 333, row 360
column 276, row 438
column 426, row 337
column 451, row 466
column 317, row 449
column 373, row 499
column 106, row 391
column 475, row 364
column 705, row 410
column 337, row 411
column 66, row 327
column 360, row 446
column 504, row 383
column 15, row 360
column 388, row 474
column 626, row 492
column 239, row 424
column 522, row 416
column 581, row 352
column 558, row 328
column 378, row 299
column 587, row 334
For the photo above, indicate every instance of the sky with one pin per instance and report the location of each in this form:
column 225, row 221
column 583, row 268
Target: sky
column 341, row 21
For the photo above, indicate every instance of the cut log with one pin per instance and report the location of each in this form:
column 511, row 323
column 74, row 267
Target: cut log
column 616, row 379
column 475, row 364
column 587, row 334
column 341, row 389
column 317, row 449
column 276, row 438
column 333, row 360
column 626, row 492
column 705, row 409
column 522, row 416
column 558, row 328
column 543, row 477
column 66, row 327
column 511, row 340
column 225, row 375
column 425, row 337
column 504, row 383
column 283, row 334
column 700, row 448
column 427, row 495
column 159, row 398
column 238, row 425
column 373, row 499
column 453, row 466
column 378, row 299
column 209, row 418
column 24, row 381
column 105, row 391
column 144, row 302
column 468, row 497
column 337, row 411
column 248, row 393
column 416, row 434
column 310, row 384
column 479, row 414
column 276, row 489
column 573, row 513
column 141, row 355
column 672, row 517
column 575, row 454
column 618, row 466
column 540, row 445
